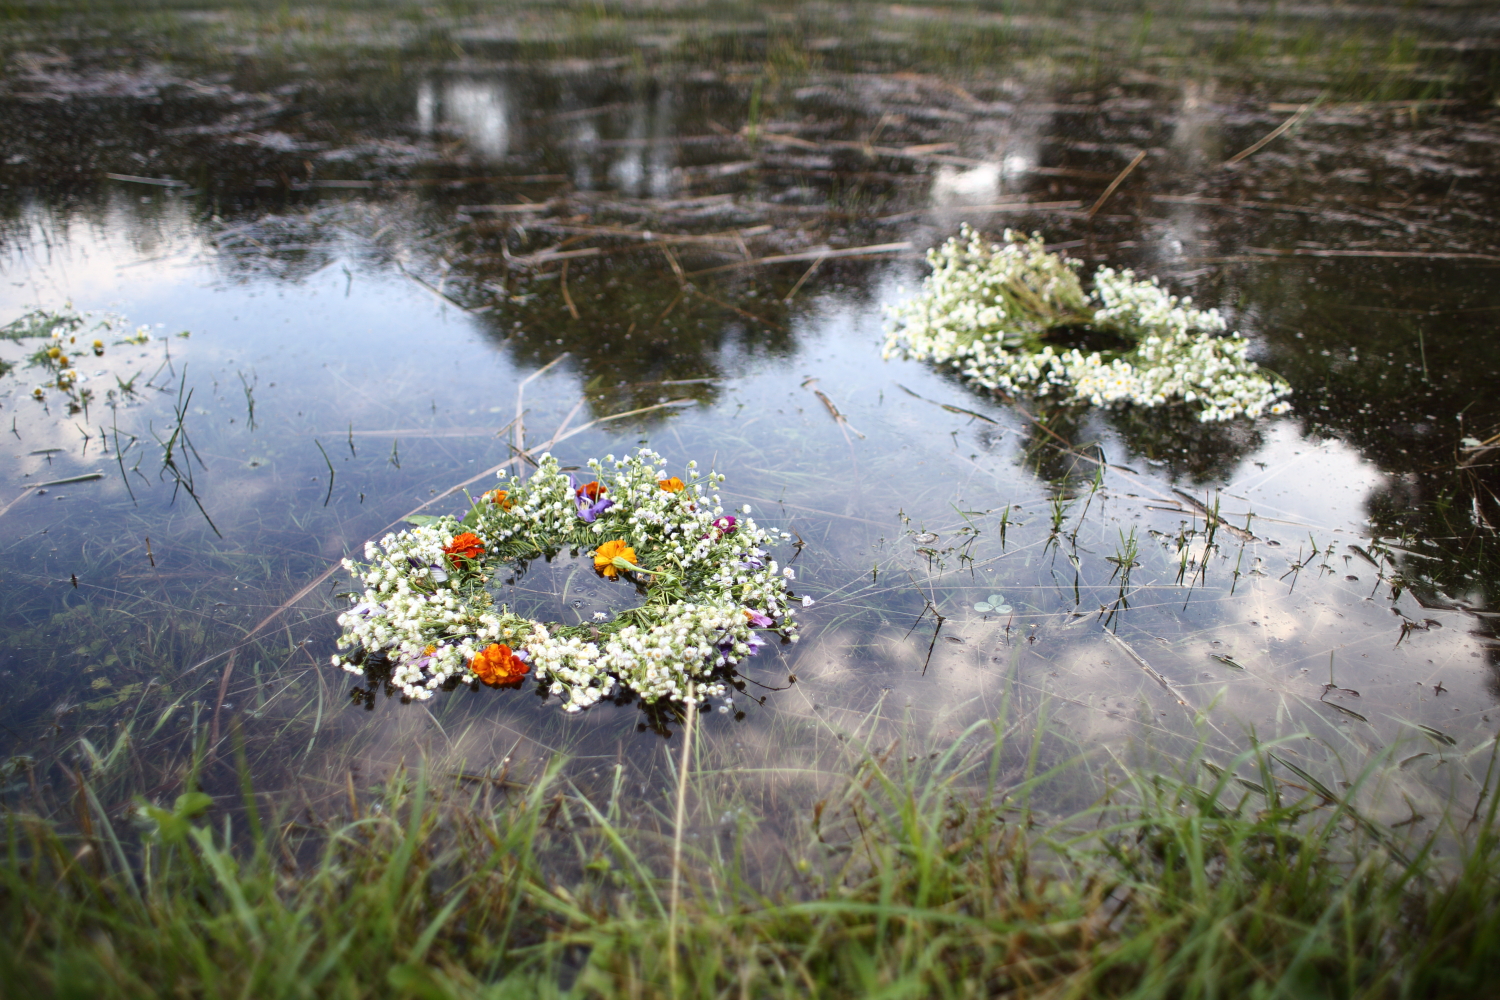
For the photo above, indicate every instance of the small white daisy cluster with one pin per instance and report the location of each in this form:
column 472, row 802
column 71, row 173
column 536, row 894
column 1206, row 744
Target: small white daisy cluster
column 710, row 582
column 985, row 309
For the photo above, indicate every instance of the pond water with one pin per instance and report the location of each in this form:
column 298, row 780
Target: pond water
column 353, row 235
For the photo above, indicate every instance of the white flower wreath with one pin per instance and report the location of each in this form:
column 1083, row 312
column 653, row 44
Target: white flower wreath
column 710, row 586
column 986, row 309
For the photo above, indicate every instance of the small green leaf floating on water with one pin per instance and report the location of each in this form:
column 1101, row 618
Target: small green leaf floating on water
column 1227, row 661
column 994, row 603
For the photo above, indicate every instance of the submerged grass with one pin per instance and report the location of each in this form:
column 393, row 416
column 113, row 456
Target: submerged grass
column 916, row 874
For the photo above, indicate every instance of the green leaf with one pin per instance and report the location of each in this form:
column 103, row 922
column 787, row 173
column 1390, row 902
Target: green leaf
column 191, row 804
column 422, row 520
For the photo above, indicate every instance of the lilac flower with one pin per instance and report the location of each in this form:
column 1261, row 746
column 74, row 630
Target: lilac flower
column 366, row 609
column 759, row 620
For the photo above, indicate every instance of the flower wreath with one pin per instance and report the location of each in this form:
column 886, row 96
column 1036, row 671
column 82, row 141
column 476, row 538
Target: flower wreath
column 709, row 582
column 988, row 310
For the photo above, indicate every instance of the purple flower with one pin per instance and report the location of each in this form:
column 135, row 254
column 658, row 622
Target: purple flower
column 590, row 499
column 759, row 620
column 589, row 511
column 726, row 524
column 366, row 609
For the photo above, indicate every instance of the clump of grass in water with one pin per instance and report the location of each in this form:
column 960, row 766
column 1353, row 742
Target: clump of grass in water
column 922, row 875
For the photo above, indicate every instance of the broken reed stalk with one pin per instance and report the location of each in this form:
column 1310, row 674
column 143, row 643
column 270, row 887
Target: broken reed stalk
column 787, row 298
column 567, row 299
column 1114, row 184
column 520, row 422
column 786, row 258
column 1257, row 147
column 682, row 770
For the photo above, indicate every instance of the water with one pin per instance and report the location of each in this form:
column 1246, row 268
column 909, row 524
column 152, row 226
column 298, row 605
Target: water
column 353, row 237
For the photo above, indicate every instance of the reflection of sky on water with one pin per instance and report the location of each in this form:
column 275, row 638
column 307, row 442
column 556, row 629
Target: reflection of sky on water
column 952, row 186
column 479, row 110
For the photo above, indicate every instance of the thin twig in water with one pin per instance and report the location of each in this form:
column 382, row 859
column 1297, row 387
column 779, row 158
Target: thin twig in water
column 802, row 280
column 520, row 422
column 567, row 299
column 1119, row 179
column 1257, row 147
column 720, row 302
column 838, row 417
column 329, row 462
column 786, row 258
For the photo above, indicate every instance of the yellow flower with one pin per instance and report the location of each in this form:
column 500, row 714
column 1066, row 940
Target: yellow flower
column 609, row 556
column 673, row 485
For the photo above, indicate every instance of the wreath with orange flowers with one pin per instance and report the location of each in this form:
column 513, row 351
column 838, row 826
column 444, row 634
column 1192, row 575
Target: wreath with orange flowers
column 426, row 621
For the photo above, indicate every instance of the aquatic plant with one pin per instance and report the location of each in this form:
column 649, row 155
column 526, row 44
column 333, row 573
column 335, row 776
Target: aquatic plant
column 993, row 312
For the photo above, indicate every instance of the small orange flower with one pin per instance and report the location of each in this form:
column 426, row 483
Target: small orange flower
column 605, row 555
column 498, row 498
column 465, row 546
column 593, row 491
column 673, row 485
column 497, row 665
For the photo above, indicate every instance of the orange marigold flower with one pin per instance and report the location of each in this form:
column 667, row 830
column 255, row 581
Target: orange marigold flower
column 498, row 497
column 673, row 485
column 593, row 491
column 605, row 555
column 465, row 546
column 497, row 665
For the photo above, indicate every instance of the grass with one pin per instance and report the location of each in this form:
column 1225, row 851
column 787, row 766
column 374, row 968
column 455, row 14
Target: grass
column 954, row 873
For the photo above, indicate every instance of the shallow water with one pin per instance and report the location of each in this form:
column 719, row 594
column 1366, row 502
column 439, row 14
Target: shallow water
column 373, row 229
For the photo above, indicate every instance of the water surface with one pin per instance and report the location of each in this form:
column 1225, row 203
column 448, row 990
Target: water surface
column 354, row 235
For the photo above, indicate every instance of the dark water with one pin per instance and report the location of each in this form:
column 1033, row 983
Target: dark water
column 371, row 226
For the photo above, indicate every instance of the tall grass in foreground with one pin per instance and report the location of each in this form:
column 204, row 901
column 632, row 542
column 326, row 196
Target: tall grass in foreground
column 918, row 876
